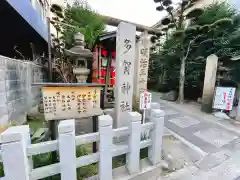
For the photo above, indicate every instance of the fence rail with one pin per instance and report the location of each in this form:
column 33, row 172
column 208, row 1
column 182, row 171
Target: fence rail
column 17, row 150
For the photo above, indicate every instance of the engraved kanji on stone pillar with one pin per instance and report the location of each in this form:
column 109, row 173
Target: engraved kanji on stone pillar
column 141, row 66
column 125, row 56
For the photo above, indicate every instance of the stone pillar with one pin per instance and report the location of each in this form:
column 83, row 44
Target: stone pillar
column 105, row 147
column 156, row 135
column 132, row 157
column 209, row 83
column 125, row 56
column 67, row 149
column 141, row 67
column 14, row 153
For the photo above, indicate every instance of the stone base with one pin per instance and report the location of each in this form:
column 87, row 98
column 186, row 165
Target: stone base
column 206, row 107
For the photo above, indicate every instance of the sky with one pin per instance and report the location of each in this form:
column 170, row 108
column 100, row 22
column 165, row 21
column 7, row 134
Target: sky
column 138, row 11
column 236, row 3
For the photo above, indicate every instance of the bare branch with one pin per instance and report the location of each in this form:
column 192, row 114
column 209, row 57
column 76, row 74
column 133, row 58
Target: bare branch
column 189, row 46
column 18, row 52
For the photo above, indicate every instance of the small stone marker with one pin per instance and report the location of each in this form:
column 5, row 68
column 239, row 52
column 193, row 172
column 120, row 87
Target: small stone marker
column 209, row 82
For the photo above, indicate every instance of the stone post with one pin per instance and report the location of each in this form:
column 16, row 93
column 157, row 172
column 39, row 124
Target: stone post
column 67, row 149
column 14, row 153
column 156, row 135
column 141, row 67
column 209, row 83
column 125, row 56
column 154, row 105
column 105, row 147
column 133, row 156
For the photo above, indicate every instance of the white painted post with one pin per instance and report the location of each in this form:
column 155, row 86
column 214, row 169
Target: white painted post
column 105, row 147
column 25, row 130
column 154, row 105
column 14, row 153
column 156, row 135
column 67, row 149
column 132, row 159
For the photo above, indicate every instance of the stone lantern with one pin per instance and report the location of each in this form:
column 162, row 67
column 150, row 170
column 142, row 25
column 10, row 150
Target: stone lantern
column 81, row 56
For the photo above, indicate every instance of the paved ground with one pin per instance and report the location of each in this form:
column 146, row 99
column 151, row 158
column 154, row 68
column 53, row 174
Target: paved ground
column 218, row 140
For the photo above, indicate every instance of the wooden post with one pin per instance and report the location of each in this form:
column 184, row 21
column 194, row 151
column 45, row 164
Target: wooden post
column 156, row 135
column 132, row 160
column 14, row 153
column 105, row 147
column 67, row 149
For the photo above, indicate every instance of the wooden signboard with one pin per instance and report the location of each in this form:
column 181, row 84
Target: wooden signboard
column 71, row 102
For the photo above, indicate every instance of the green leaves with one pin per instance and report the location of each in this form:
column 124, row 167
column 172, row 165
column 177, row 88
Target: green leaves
column 166, row 21
column 160, row 8
column 83, row 19
column 56, row 8
column 167, row 2
column 194, row 13
column 214, row 12
column 224, row 22
column 178, row 34
column 218, row 30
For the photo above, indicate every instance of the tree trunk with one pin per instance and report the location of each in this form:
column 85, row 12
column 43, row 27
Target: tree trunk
column 182, row 81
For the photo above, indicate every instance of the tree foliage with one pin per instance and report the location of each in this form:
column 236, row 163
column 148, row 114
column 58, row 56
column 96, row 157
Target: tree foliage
column 87, row 21
column 176, row 20
column 79, row 17
column 215, row 31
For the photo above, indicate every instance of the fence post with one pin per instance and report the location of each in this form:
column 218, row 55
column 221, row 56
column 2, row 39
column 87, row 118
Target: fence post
column 132, row 159
column 156, row 135
column 25, row 129
column 67, row 149
column 105, row 147
column 14, row 153
column 154, row 105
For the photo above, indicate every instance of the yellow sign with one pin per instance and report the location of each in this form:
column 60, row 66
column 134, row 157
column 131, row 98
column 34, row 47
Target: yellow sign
column 71, row 102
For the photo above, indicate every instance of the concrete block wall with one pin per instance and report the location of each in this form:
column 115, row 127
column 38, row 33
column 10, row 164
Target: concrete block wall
column 17, row 95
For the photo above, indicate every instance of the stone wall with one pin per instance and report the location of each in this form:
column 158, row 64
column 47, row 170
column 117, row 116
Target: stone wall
column 17, row 95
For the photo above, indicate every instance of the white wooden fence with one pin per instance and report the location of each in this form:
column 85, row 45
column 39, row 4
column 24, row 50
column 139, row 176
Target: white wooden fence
column 17, row 149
